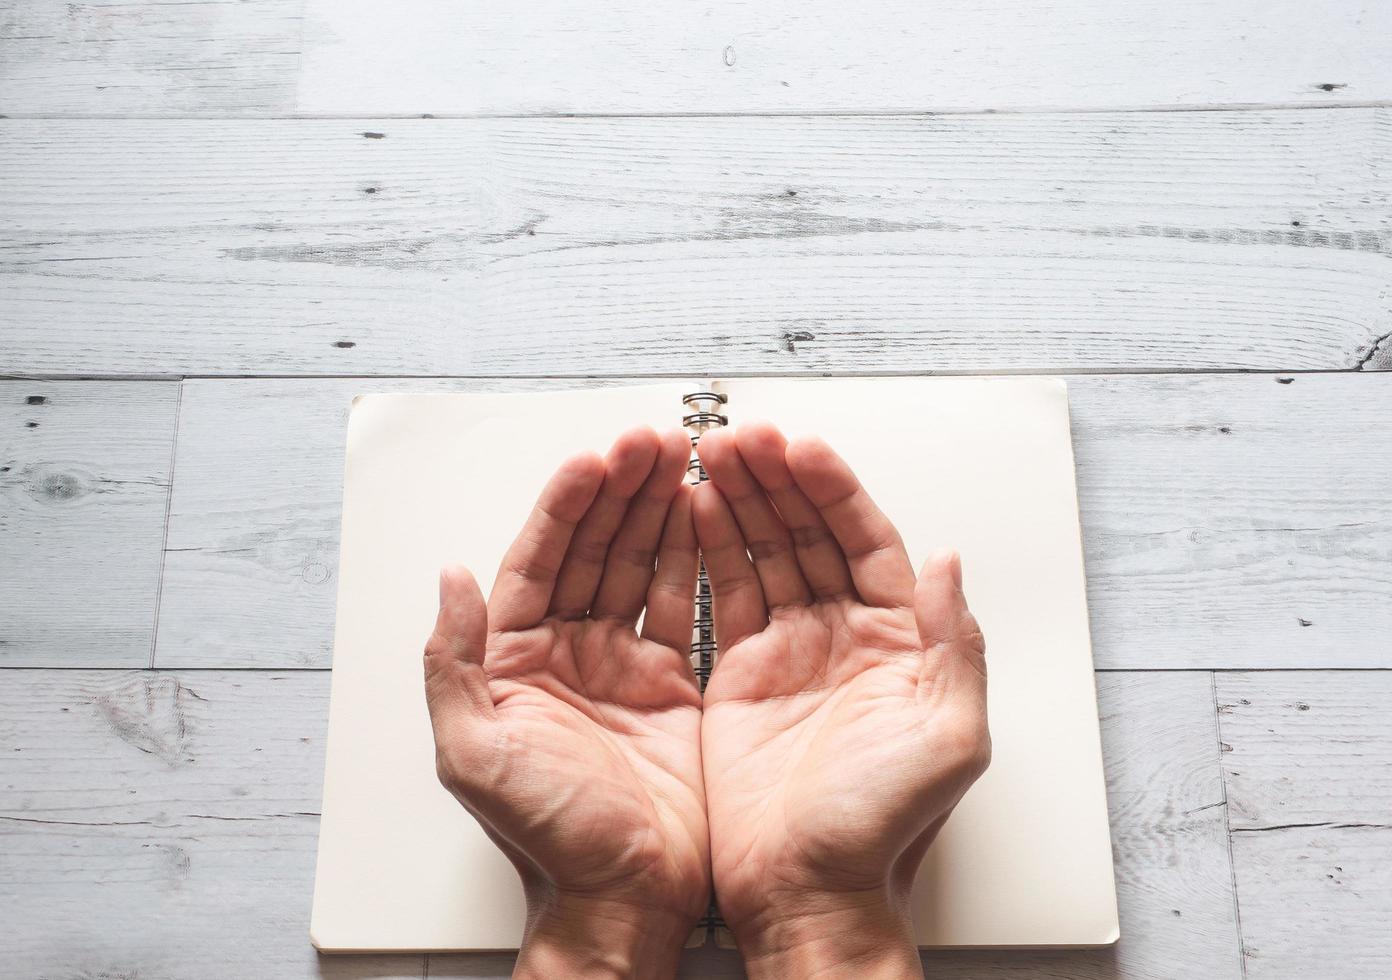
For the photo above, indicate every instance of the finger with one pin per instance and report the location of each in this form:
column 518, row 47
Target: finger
column 955, row 651
column 629, row 566
column 671, row 609
column 874, row 551
column 626, row 466
column 763, row 449
column 739, row 601
column 456, row 690
column 527, row 576
column 766, row 537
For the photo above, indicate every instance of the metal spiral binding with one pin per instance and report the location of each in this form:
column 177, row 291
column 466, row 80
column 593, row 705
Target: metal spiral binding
column 703, row 414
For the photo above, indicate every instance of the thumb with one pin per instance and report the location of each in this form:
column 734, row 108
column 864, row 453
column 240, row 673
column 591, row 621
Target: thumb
column 954, row 649
column 456, row 689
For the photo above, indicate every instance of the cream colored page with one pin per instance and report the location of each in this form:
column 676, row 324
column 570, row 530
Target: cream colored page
column 429, row 479
column 986, row 466
column 982, row 464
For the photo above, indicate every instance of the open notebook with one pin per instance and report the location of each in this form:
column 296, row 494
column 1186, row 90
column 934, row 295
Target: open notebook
column 984, row 465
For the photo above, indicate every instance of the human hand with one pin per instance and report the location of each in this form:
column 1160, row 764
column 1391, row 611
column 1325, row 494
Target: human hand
column 572, row 738
column 846, row 715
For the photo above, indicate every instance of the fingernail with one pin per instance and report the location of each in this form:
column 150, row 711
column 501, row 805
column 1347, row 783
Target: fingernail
column 952, row 560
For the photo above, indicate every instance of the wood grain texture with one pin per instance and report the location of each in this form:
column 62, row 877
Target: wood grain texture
column 1236, row 521
column 1220, row 516
column 1308, row 766
column 163, row 825
column 147, row 57
column 84, row 481
column 821, row 55
column 1132, row 242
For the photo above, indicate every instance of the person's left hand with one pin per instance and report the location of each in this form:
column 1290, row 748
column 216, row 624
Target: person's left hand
column 571, row 737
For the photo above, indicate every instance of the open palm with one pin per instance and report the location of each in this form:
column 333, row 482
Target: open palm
column 846, row 714
column 573, row 738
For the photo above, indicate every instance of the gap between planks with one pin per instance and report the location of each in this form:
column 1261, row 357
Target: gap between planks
column 1227, row 824
column 164, row 530
column 234, row 115
column 1024, row 372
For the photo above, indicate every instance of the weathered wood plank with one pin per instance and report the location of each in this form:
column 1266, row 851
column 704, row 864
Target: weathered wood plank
column 821, row 55
column 1221, row 515
column 147, row 57
column 163, row 824
column 84, row 481
column 1308, row 767
column 1152, row 241
column 163, row 827
column 1236, row 521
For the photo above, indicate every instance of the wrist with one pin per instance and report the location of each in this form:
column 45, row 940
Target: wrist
column 584, row 936
column 868, row 935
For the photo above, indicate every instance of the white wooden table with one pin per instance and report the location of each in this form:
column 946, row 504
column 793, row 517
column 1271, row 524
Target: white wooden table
column 194, row 281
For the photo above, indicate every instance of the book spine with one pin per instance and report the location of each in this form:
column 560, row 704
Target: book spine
column 703, row 412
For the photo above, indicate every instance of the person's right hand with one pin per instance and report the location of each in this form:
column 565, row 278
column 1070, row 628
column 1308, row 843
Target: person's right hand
column 846, row 715
column 570, row 735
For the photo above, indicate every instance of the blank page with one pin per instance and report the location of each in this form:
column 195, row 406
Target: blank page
column 429, row 480
column 986, row 466
column 983, row 465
